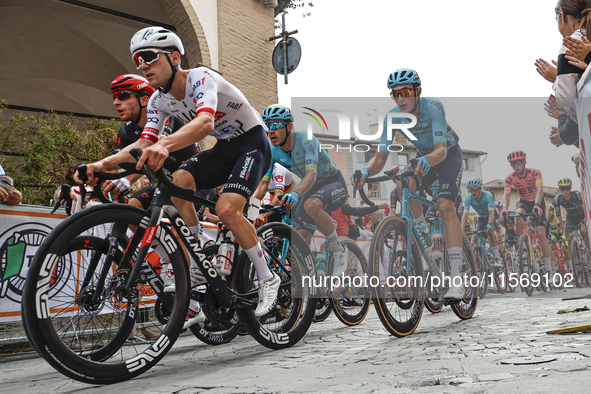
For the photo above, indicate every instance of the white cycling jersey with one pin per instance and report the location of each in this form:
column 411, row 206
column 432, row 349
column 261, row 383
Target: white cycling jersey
column 281, row 179
column 207, row 91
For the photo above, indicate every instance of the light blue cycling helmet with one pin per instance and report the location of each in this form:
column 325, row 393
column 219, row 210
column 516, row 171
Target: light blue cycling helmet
column 474, row 182
column 276, row 111
column 402, row 76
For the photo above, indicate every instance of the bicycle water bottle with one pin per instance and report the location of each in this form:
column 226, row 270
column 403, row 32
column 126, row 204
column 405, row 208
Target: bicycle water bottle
column 225, row 258
column 321, row 259
column 437, row 236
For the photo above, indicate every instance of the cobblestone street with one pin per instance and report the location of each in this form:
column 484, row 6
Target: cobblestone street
column 443, row 355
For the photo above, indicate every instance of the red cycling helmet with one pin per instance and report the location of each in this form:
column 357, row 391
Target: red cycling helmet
column 517, row 155
column 132, row 82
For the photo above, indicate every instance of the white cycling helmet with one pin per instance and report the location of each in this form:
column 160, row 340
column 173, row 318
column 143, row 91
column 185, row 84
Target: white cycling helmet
column 155, row 37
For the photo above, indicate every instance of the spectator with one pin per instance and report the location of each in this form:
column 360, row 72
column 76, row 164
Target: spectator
column 8, row 193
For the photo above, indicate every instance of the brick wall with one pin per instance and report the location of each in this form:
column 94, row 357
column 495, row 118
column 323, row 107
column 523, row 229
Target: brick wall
column 245, row 56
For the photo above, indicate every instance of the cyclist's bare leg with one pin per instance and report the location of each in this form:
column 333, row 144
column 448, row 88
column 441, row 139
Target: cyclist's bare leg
column 415, row 207
column 185, row 208
column 541, row 234
column 519, row 222
column 452, row 230
column 315, row 209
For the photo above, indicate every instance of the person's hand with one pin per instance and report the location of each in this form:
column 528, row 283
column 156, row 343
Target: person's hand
column 260, row 220
column 14, row 197
column 553, row 109
column 3, row 195
column 547, row 70
column 361, row 182
column 423, row 166
column 290, row 199
column 579, row 49
column 490, row 228
column 555, row 137
column 576, row 62
column 90, row 170
column 383, row 206
column 537, row 210
column 505, row 214
column 153, row 156
column 121, row 185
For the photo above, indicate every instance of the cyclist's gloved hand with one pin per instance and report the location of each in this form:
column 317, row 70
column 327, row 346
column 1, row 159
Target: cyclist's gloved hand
column 364, row 174
column 505, row 214
column 489, row 227
column 538, row 210
column 424, row 163
column 292, row 198
column 122, row 184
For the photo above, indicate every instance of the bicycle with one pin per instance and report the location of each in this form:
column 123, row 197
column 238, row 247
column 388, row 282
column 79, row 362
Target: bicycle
column 484, row 256
column 350, row 303
column 82, row 333
column 579, row 249
column 399, row 305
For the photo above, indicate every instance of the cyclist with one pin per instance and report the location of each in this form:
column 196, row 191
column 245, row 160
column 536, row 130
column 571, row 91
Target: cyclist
column 322, row 189
column 125, row 88
column 529, row 185
column 572, row 202
column 279, row 183
column 210, row 105
column 439, row 155
column 483, row 203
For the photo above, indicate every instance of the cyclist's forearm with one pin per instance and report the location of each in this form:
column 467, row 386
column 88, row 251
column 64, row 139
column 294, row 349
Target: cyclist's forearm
column 438, row 155
column 539, row 195
column 261, row 189
column 377, row 163
column 194, row 131
column 307, row 182
column 112, row 162
column 491, row 217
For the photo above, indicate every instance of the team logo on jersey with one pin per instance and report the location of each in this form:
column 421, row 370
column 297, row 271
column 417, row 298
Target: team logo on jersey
column 218, row 116
column 199, row 83
column 235, row 106
column 279, row 178
column 152, row 111
column 153, row 119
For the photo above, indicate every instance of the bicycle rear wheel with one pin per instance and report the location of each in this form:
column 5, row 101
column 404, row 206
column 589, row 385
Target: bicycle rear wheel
column 350, row 303
column 292, row 260
column 482, row 271
column 525, row 265
column 323, row 310
column 466, row 308
column 502, row 275
column 398, row 299
column 579, row 269
column 80, row 324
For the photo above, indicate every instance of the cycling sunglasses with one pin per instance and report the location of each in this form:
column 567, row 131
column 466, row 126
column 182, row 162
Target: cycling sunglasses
column 122, row 96
column 474, row 189
column 404, row 92
column 276, row 125
column 147, row 56
column 517, row 163
column 565, row 188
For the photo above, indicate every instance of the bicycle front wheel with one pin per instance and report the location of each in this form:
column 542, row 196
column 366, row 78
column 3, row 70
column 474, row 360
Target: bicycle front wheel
column 351, row 301
column 399, row 296
column 84, row 323
column 482, row 271
column 292, row 260
column 579, row 270
column 466, row 308
column 525, row 265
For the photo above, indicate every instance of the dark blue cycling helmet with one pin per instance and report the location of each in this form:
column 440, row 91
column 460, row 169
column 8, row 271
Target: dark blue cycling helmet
column 402, row 76
column 474, row 182
column 276, row 111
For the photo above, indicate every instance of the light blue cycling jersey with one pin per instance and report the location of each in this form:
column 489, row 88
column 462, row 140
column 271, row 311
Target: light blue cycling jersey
column 304, row 156
column 482, row 207
column 431, row 128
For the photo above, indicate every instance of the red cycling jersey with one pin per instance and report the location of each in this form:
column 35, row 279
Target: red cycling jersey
column 527, row 186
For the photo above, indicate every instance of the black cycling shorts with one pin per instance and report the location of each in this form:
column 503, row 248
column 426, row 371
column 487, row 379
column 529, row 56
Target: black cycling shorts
column 571, row 223
column 332, row 191
column 483, row 221
column 528, row 206
column 449, row 173
column 239, row 162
